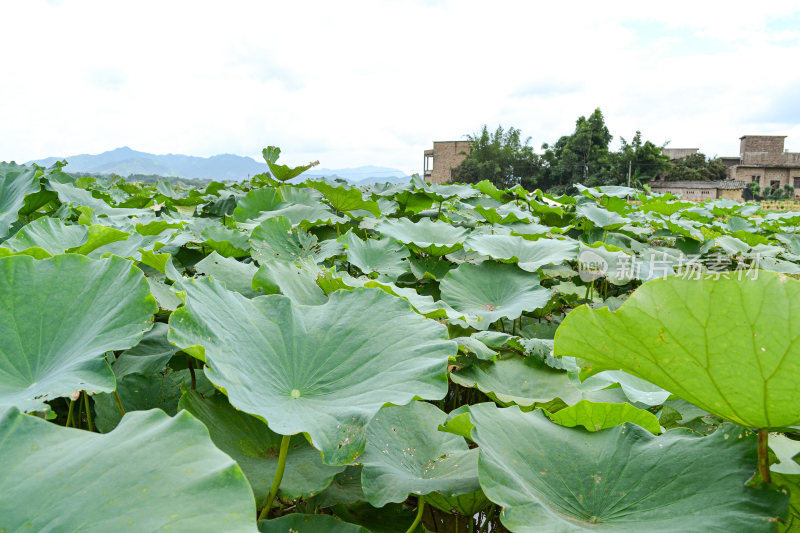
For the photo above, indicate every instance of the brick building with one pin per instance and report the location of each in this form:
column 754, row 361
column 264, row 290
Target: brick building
column 679, row 153
column 442, row 159
column 701, row 190
column 763, row 159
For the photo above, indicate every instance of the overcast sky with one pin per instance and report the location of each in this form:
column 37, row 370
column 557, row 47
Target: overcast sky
column 375, row 82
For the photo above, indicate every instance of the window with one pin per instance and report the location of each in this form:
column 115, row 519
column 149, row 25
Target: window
column 796, row 181
column 428, row 164
column 754, row 178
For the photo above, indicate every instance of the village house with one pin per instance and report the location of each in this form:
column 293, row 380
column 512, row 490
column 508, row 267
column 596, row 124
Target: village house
column 442, row 159
column 763, row 159
column 701, row 190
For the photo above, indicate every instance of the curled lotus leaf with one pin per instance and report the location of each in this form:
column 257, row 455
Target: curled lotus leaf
column 324, row 370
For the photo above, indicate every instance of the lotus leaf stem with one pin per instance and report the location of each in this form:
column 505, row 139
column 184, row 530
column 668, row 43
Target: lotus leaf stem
column 276, row 482
column 190, row 364
column 119, row 403
column 418, row 519
column 76, row 420
column 763, row 455
column 69, row 413
column 88, row 411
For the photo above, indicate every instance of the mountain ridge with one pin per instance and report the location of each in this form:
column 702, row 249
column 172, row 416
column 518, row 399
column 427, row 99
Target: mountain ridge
column 126, row 161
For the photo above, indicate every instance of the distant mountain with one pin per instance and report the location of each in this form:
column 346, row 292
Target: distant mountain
column 125, row 161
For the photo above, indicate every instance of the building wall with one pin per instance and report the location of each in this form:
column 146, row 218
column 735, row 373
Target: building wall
column 446, row 156
column 679, row 153
column 731, row 194
column 762, row 149
column 688, row 193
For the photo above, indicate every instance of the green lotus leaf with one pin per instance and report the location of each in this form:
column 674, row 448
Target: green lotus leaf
column 256, row 202
column 233, row 274
column 431, row 237
column 391, row 518
column 595, row 416
column 429, row 267
column 16, row 182
column 465, row 504
column 59, row 317
column 129, row 248
column 443, row 191
column 149, row 356
column 297, row 280
column 345, row 198
column 422, row 304
column 728, row 346
column 276, row 239
column 152, row 473
column 98, row 237
column 323, row 370
column 530, row 255
column 282, row 172
column 387, row 257
column 344, row 489
column 298, row 207
column 518, row 380
column 71, row 195
column 166, row 299
column 534, row 231
column 790, row 483
column 309, row 523
column 612, row 191
column 664, row 206
column 636, row 389
column 601, row 217
column 632, row 481
column 491, row 291
column 226, row 241
column 406, row 454
column 254, row 447
column 140, row 392
column 505, row 214
column 49, row 234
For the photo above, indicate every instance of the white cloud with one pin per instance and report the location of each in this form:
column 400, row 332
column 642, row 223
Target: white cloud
column 354, row 83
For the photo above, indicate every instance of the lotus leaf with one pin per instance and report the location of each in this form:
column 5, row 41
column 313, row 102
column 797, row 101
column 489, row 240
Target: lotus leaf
column 406, row 454
column 323, row 370
column 59, row 317
column 728, row 346
column 152, row 473
column 250, row 442
column 491, row 291
column 631, row 481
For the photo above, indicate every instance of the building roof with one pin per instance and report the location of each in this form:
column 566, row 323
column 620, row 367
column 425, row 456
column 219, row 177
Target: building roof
column 720, row 184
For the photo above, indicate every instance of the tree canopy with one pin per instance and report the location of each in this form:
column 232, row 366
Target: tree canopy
column 584, row 156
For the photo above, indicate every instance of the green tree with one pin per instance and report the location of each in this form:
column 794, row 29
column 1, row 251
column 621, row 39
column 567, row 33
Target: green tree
column 501, row 157
column 696, row 167
column 582, row 156
column 644, row 159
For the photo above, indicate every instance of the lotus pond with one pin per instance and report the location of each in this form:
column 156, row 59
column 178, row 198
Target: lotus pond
column 312, row 357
